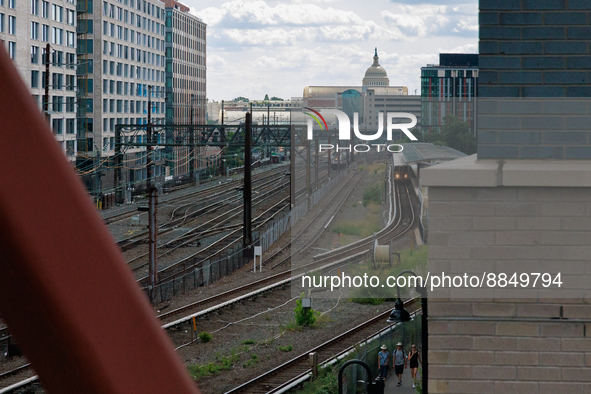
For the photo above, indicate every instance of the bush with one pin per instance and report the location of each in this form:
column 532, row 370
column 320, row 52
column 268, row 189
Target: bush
column 373, row 194
column 287, row 348
column 249, row 342
column 304, row 317
column 204, row 337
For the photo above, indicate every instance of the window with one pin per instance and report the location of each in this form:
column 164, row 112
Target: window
column 12, row 50
column 70, row 126
column 34, row 30
column 12, row 4
column 45, row 9
column 58, row 126
column 71, row 39
column 58, row 81
column 11, row 24
column 71, row 17
column 84, row 68
column 70, row 84
column 58, row 103
column 57, row 13
column 57, row 36
column 34, row 55
column 45, row 33
column 1, row 23
column 34, row 7
column 70, row 104
column 34, row 79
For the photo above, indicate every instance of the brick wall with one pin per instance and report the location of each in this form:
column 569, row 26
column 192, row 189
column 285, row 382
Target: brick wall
column 510, row 345
column 535, row 48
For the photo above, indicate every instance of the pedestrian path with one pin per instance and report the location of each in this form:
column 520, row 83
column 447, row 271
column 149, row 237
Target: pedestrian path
column 406, row 387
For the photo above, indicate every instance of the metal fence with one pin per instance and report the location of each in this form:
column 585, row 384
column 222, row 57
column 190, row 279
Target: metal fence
column 408, row 333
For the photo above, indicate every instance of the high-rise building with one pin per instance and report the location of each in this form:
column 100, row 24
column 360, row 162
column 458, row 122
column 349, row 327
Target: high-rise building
column 26, row 28
column 121, row 50
column 449, row 88
column 185, row 78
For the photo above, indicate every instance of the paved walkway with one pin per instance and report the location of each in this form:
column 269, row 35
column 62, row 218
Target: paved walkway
column 406, row 387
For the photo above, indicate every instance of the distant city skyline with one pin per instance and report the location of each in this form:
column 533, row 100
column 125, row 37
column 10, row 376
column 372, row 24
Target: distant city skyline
column 276, row 48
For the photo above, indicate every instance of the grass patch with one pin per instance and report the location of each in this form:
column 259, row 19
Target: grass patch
column 249, row 342
column 287, row 348
column 361, row 228
column 416, row 262
column 291, row 326
column 204, row 337
column 221, row 364
column 373, row 194
column 254, row 359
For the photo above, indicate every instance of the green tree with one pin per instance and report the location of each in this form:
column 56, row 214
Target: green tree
column 266, row 97
column 455, row 133
column 240, row 98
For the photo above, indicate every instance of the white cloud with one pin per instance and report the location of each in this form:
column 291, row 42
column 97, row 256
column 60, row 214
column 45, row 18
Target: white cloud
column 277, row 47
column 417, row 20
column 469, row 25
column 249, row 14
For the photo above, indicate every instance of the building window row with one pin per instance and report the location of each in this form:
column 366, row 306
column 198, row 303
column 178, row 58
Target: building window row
column 133, row 19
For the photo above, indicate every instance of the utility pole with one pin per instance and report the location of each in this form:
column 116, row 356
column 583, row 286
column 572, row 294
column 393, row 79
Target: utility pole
column 247, row 192
column 152, row 204
column 192, row 144
column 46, row 93
column 317, row 164
column 329, row 155
column 222, row 113
column 292, row 177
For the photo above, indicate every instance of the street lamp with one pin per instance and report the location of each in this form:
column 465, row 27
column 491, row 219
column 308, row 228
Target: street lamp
column 399, row 314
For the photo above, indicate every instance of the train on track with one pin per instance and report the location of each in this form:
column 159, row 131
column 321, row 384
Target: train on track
column 402, row 172
column 334, row 160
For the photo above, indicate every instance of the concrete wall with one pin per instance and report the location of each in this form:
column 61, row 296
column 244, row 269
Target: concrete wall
column 535, row 48
column 508, row 345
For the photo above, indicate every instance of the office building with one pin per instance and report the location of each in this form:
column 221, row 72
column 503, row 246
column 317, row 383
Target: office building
column 449, row 88
column 185, row 78
column 26, row 28
column 122, row 52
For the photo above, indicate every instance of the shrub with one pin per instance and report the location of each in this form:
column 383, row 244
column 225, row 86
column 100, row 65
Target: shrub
column 373, row 194
column 204, row 337
column 304, row 317
column 287, row 348
column 249, row 342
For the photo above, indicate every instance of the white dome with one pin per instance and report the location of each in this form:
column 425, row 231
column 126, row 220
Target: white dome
column 375, row 74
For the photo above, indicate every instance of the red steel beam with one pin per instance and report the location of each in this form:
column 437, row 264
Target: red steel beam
column 65, row 290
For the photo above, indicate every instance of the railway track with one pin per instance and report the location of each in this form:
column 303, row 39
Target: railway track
column 402, row 221
column 298, row 367
column 117, row 217
column 136, row 239
column 394, row 229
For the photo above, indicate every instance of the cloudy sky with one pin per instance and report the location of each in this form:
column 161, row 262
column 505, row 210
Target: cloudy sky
column 258, row 47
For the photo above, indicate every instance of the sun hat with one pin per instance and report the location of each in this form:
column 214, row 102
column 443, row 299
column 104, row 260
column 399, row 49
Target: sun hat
column 384, row 347
column 399, row 344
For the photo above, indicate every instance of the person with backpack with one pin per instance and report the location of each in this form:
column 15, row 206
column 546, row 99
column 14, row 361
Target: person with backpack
column 399, row 360
column 383, row 357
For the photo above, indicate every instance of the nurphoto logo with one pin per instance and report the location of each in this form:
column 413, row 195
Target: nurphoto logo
column 345, row 129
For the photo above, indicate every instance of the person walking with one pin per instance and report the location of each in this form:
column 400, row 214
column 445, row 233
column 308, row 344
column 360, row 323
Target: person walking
column 414, row 358
column 383, row 357
column 399, row 360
